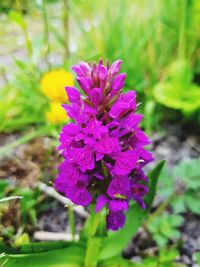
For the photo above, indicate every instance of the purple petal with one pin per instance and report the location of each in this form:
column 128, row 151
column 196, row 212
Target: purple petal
column 117, row 109
column 102, row 200
column 78, row 70
column 98, row 176
column 139, row 190
column 85, row 159
column 115, row 220
column 118, row 205
column 79, row 136
column 84, row 83
column 144, row 154
column 85, row 67
column 71, row 129
column 140, row 176
column 118, row 82
column 96, row 96
column 142, row 137
column 125, row 162
column 130, row 98
column 115, row 67
column 107, row 145
column 89, row 141
column 81, row 196
column 72, row 111
column 102, row 73
column 141, row 202
column 68, row 176
column 99, row 156
column 119, row 185
column 73, row 94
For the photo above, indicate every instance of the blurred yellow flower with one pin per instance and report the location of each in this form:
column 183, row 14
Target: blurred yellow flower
column 53, row 84
column 56, row 114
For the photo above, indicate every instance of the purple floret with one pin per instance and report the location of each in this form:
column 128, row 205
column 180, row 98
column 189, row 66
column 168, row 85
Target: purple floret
column 103, row 148
column 115, row 220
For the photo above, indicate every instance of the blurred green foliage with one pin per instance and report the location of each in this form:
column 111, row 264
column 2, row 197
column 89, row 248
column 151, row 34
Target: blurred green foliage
column 148, row 36
column 164, row 228
column 158, row 42
column 181, row 185
column 178, row 91
column 7, row 5
column 22, row 202
column 166, row 258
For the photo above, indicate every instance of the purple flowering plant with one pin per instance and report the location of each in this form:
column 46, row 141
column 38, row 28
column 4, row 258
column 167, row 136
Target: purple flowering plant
column 103, row 147
column 104, row 155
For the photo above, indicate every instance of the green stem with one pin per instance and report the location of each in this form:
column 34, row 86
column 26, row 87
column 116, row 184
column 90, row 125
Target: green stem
column 25, row 32
column 94, row 242
column 28, row 44
column 183, row 26
column 17, row 4
column 71, row 221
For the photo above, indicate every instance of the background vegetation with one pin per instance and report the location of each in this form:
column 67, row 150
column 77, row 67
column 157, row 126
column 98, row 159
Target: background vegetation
column 159, row 43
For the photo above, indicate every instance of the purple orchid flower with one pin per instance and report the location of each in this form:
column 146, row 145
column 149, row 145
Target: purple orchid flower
column 103, row 148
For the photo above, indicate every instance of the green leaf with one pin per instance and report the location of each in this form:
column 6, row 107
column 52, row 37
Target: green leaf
column 67, row 257
column 116, row 241
column 118, row 262
column 22, row 239
column 176, row 264
column 179, row 204
column 197, row 257
column 168, row 254
column 188, row 172
column 150, row 262
column 18, row 19
column 4, row 183
column 34, row 247
column 192, row 201
column 153, row 179
column 178, row 91
column 165, row 227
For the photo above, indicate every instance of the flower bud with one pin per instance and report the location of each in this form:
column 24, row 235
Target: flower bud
column 73, row 94
column 118, row 82
column 115, row 67
column 85, row 84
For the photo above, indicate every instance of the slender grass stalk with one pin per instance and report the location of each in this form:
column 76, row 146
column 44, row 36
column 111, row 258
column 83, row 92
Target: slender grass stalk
column 18, row 5
column 66, row 32
column 25, row 32
column 71, row 221
column 182, row 33
column 28, row 44
column 4, row 76
column 46, row 33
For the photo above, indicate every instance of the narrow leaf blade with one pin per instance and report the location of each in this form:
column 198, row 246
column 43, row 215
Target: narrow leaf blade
column 153, row 180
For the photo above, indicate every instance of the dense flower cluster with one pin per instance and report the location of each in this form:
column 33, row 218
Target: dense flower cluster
column 103, row 148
